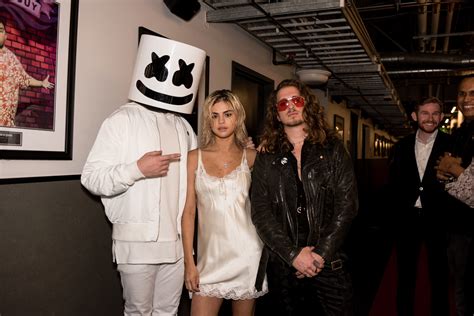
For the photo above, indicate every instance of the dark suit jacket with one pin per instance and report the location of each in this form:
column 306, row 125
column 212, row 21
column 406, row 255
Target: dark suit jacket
column 405, row 182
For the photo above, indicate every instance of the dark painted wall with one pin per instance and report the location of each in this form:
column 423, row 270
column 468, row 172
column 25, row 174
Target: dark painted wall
column 55, row 252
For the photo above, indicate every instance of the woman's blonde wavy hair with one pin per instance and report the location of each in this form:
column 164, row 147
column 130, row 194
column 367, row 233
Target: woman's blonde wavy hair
column 240, row 134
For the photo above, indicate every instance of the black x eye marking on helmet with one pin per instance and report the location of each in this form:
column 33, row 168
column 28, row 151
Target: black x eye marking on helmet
column 183, row 76
column 157, row 69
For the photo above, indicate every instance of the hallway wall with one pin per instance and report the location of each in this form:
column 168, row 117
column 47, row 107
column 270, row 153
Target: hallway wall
column 56, row 252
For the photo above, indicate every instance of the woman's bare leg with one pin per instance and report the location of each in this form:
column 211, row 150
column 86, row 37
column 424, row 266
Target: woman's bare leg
column 243, row 307
column 205, row 305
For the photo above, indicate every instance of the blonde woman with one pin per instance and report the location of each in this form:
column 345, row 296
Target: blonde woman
column 228, row 247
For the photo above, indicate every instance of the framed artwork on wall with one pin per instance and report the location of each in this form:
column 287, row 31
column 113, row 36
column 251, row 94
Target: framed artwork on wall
column 339, row 125
column 37, row 71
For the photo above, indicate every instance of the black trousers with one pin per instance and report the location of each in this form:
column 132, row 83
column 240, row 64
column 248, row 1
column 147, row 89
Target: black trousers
column 329, row 293
column 418, row 226
column 470, row 281
column 461, row 264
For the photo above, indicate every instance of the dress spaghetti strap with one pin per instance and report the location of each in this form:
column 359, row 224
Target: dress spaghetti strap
column 244, row 156
column 200, row 166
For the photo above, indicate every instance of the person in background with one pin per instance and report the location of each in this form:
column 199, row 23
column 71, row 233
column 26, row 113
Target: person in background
column 461, row 228
column 418, row 199
column 228, row 247
column 13, row 77
column 304, row 199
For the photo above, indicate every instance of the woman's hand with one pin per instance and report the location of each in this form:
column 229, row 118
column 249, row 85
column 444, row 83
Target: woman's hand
column 191, row 278
column 448, row 167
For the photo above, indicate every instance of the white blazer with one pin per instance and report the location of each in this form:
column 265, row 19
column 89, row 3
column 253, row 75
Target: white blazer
column 131, row 201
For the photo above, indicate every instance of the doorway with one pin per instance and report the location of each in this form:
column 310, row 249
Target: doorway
column 253, row 90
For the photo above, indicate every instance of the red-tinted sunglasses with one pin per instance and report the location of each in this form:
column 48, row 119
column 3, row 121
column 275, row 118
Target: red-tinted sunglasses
column 284, row 104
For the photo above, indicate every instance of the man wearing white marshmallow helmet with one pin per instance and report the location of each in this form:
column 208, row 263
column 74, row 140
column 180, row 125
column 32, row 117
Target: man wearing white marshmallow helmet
column 138, row 167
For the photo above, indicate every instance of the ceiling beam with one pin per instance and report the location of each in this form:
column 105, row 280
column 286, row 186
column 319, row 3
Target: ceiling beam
column 241, row 10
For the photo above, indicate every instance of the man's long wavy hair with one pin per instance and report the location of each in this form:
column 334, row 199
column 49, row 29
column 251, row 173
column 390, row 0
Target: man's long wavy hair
column 274, row 137
column 207, row 136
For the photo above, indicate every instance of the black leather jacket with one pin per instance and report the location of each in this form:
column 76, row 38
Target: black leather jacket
column 331, row 199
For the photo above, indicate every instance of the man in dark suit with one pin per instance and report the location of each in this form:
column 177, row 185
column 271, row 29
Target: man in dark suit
column 461, row 228
column 418, row 200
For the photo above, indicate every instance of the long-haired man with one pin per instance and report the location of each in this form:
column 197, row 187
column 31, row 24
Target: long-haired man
column 304, row 198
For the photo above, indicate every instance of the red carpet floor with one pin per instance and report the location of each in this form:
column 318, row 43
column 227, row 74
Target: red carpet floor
column 384, row 302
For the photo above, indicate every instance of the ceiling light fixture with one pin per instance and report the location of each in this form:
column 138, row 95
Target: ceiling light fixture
column 313, row 76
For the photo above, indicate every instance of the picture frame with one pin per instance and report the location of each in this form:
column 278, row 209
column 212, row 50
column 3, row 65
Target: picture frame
column 42, row 35
column 339, row 125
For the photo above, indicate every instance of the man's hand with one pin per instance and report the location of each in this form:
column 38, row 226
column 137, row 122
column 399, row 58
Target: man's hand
column 307, row 263
column 318, row 261
column 155, row 164
column 46, row 84
column 447, row 167
column 32, row 82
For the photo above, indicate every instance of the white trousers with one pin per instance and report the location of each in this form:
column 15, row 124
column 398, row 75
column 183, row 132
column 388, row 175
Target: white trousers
column 152, row 289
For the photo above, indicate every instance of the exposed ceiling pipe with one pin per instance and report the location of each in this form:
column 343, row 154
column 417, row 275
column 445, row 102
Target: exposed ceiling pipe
column 422, row 22
column 435, row 24
column 449, row 20
column 431, row 72
column 395, row 6
column 434, row 31
column 419, row 58
column 446, row 35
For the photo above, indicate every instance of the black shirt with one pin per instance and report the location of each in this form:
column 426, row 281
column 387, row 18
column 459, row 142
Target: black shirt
column 463, row 142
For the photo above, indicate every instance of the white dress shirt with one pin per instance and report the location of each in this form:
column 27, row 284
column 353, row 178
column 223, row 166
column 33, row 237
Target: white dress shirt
column 422, row 154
